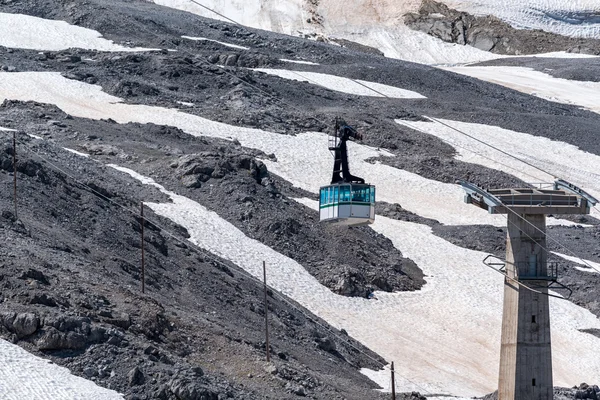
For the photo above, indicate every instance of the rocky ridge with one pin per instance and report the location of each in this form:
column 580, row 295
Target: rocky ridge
column 489, row 33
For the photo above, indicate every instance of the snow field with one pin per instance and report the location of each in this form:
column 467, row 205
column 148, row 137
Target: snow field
column 201, row 39
column 25, row 376
column 376, row 24
column 27, row 32
column 344, row 85
column 527, row 80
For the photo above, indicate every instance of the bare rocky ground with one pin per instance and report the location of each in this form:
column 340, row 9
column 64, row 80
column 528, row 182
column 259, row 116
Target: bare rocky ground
column 71, row 263
column 489, row 33
column 71, row 292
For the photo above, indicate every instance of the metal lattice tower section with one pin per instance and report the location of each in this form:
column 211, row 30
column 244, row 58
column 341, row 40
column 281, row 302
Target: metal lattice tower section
column 526, row 351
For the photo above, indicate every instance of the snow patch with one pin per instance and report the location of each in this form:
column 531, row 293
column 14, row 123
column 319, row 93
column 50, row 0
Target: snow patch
column 27, row 32
column 345, row 85
column 185, row 103
column 25, row 376
column 7, row 129
column 76, row 152
column 298, row 61
column 201, row 39
column 536, row 83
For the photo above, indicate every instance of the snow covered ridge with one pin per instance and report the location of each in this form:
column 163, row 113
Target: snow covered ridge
column 25, row 376
column 579, row 18
column 344, row 85
column 27, row 32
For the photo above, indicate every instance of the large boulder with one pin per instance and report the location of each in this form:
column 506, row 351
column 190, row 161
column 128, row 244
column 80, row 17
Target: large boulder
column 25, row 324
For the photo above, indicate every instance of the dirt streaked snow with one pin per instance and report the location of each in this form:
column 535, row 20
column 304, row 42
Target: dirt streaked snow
column 380, row 24
column 27, row 32
column 25, row 376
column 376, row 24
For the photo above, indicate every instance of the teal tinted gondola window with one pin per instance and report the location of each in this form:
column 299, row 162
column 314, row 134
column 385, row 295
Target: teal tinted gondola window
column 359, row 195
column 322, row 195
column 336, row 194
column 372, row 194
column 344, row 193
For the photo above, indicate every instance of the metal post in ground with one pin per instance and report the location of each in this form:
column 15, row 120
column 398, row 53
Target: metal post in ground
column 266, row 312
column 393, row 383
column 143, row 264
column 15, row 171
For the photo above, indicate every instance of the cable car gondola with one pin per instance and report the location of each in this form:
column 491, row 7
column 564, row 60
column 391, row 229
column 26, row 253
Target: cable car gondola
column 348, row 200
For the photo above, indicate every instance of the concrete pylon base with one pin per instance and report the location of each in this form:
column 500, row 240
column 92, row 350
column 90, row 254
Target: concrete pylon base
column 526, row 355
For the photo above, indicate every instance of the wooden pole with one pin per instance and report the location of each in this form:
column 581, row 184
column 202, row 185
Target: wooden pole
column 393, row 383
column 15, row 171
column 266, row 312
column 143, row 264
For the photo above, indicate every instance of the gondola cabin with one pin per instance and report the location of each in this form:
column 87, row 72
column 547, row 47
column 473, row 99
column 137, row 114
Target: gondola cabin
column 349, row 204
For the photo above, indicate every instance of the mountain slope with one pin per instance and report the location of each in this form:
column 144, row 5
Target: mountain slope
column 231, row 158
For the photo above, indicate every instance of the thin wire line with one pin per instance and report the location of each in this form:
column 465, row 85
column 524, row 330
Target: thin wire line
column 472, row 151
column 489, row 145
column 508, row 208
column 213, row 11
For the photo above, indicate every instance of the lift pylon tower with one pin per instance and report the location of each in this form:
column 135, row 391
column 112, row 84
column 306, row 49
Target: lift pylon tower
column 525, row 352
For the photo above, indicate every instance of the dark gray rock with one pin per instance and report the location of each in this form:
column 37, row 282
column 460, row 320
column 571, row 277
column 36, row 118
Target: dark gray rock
column 135, row 377
column 53, row 339
column 25, row 324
